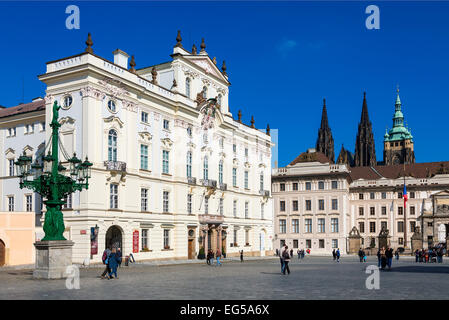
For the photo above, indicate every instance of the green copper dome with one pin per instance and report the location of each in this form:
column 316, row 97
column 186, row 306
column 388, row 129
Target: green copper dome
column 399, row 132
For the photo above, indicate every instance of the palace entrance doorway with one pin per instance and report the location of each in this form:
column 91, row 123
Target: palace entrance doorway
column 114, row 238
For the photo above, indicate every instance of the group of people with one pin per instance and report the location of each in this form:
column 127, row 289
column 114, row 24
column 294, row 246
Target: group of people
column 385, row 257
column 112, row 258
column 336, row 254
column 362, row 255
column 434, row 254
column 300, row 252
column 285, row 256
column 210, row 257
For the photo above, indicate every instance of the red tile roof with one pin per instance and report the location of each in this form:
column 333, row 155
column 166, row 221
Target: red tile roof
column 417, row 170
column 23, row 108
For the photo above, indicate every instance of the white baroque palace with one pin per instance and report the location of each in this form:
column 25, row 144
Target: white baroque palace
column 173, row 173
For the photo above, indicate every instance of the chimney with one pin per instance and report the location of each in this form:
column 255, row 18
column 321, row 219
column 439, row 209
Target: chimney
column 121, row 58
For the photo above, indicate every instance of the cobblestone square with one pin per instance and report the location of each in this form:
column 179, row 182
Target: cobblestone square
column 311, row 278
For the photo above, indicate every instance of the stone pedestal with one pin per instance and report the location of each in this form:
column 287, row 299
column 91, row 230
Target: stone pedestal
column 52, row 259
column 417, row 241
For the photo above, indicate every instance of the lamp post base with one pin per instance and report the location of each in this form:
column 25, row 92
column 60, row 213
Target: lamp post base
column 52, row 259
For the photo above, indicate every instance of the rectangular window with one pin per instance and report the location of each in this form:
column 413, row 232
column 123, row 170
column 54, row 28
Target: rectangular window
column 400, row 226
column 384, row 211
column 308, row 205
column 11, row 203
column 412, row 210
column 308, row 244
column 412, row 226
column 320, row 204
column 221, row 206
column 372, row 211
column 295, row 205
column 400, row 211
column 189, row 203
column 321, row 243
column 384, row 195
column 261, row 181
column 282, row 226
column 165, row 206
column 295, row 186
column 42, row 126
column 246, row 180
column 334, row 243
column 372, row 227
column 235, row 238
column 234, row 208
column 295, row 226
column 295, row 244
column 371, row 195
column 282, row 205
column 308, row 186
column 334, row 204
column 361, row 227
column 334, row 225
column 166, row 124
column 67, row 202
column 262, row 211
column 246, row 152
column 282, row 185
column 383, row 224
column 143, row 157
column 234, row 177
column 166, row 239
column 144, row 199
column 247, row 237
column 165, row 161
column 29, row 202
column 144, row 239
column 399, row 195
column 206, row 205
column 11, row 167
column 234, row 148
column 361, row 212
column 412, row 195
column 246, row 210
column 113, row 200
column 401, row 241
column 334, row 184
column 144, row 117
column 321, row 225
column 360, row 196
column 308, row 225
column 321, row 185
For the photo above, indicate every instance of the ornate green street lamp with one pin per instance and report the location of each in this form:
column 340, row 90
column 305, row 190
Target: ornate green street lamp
column 50, row 181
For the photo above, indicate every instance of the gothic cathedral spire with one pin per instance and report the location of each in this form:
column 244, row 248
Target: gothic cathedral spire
column 325, row 142
column 365, row 151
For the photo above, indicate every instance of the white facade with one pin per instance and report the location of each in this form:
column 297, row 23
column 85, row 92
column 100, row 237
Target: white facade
column 139, row 132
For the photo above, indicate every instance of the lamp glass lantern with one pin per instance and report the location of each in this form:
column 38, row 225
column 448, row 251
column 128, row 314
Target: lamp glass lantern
column 48, row 163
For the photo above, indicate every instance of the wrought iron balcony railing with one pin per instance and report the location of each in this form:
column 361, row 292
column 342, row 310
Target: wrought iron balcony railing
column 209, row 183
column 265, row 193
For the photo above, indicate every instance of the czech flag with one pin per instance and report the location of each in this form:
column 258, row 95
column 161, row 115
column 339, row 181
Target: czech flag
column 404, row 195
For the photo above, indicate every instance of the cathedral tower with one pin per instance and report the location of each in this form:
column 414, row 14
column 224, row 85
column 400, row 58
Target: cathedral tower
column 365, row 151
column 325, row 142
column 398, row 142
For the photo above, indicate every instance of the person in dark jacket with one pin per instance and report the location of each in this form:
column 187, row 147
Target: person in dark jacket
column 334, row 254
column 113, row 261
column 119, row 255
column 383, row 258
column 104, row 258
column 389, row 256
column 378, row 258
column 286, row 259
column 241, row 255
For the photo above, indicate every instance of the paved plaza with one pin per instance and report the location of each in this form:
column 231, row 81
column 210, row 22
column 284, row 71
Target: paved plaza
column 311, row 278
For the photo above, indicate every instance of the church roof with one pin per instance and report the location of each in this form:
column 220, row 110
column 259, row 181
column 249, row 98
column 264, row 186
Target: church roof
column 416, row 170
column 399, row 132
column 310, row 156
column 23, row 108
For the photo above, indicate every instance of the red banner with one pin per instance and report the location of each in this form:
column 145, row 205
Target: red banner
column 135, row 241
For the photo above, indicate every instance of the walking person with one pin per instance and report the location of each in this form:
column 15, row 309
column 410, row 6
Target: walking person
column 360, row 255
column 241, row 255
column 286, row 257
column 281, row 257
column 119, row 255
column 334, row 255
column 396, row 253
column 113, row 260
column 378, row 258
column 104, row 258
column 299, row 254
column 416, row 255
column 389, row 256
column 337, row 254
column 383, row 258
column 218, row 256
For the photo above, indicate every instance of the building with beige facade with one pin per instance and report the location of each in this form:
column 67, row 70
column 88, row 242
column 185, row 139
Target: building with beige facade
column 174, row 173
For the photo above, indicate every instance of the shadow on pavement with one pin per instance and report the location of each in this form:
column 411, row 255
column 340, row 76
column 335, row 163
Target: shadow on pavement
column 421, row 269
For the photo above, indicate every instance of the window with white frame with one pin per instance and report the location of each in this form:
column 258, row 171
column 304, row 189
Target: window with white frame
column 334, row 225
column 206, row 168
column 205, row 138
column 165, row 161
column 234, row 148
column 189, row 164
column 321, row 185
column 113, row 199
column 166, row 238
column 221, row 206
column 112, row 145
column 262, row 211
column 143, row 157
column 308, row 186
column 188, row 87
column 144, row 241
column 67, row 201
column 144, row 117
column 308, row 225
column 334, row 204
column 334, row 243
column 295, row 225
column 282, row 226
column 166, row 124
column 144, row 199
column 29, row 202
column 11, row 167
column 111, row 106
column 261, row 181
column 334, row 184
column 246, row 152
column 165, row 203
column 234, row 177
column 246, row 209
column 235, row 237
column 219, row 100
column 221, row 142
column 234, row 208
column 205, row 92
column 321, row 225
column 247, row 237
column 11, row 203
column 189, row 203
column 220, row 172
column 206, row 205
column 246, row 179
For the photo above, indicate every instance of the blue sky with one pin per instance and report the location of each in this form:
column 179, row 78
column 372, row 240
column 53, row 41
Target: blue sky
column 282, row 59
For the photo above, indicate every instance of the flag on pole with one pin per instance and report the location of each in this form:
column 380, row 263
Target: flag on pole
column 404, row 195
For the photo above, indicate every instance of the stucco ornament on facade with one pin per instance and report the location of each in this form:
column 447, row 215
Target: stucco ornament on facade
column 92, row 92
column 114, row 87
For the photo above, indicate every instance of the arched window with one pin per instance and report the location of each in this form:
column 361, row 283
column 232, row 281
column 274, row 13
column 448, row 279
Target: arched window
column 112, row 145
column 220, row 172
column 189, row 164
column 206, row 168
column 205, row 92
column 188, row 87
